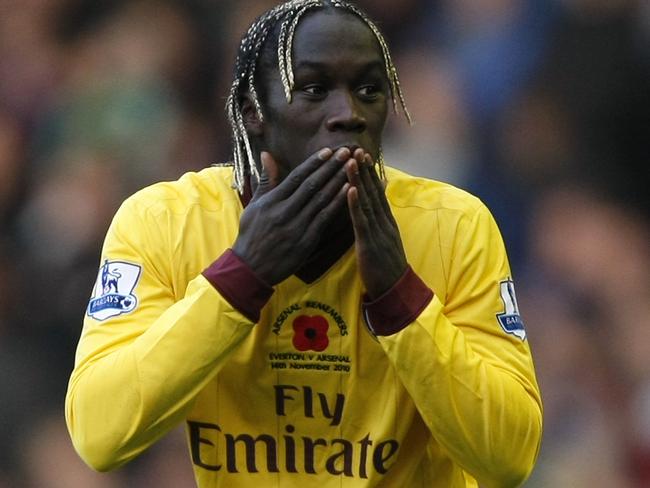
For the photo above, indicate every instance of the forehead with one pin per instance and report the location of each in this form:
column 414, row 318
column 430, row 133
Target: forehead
column 329, row 35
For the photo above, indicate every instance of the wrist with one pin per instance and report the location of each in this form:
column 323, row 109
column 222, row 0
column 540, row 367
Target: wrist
column 397, row 307
column 239, row 284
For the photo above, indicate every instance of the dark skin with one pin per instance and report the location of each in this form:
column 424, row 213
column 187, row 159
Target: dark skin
column 317, row 158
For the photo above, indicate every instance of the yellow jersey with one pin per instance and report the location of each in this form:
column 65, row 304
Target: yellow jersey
column 304, row 384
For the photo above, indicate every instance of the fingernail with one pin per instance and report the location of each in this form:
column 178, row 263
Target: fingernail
column 343, row 154
column 325, row 154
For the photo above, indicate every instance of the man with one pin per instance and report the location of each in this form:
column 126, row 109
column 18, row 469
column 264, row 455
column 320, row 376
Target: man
column 318, row 324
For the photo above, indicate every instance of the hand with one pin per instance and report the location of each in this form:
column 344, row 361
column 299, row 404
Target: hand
column 380, row 254
column 283, row 222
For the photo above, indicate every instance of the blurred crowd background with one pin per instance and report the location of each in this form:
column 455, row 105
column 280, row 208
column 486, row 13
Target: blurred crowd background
column 539, row 107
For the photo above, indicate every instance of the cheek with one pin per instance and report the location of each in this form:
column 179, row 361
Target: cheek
column 376, row 124
column 295, row 127
column 382, row 117
column 292, row 119
column 288, row 137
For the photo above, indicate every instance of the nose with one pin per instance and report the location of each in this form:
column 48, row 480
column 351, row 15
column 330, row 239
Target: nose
column 345, row 114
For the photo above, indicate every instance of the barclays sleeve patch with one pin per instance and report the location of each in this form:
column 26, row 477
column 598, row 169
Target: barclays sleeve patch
column 113, row 293
column 510, row 319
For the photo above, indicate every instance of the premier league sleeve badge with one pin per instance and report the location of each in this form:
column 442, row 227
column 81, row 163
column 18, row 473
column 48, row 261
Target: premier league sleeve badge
column 113, row 293
column 510, row 319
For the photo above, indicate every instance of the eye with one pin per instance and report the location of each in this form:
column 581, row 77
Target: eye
column 369, row 91
column 314, row 91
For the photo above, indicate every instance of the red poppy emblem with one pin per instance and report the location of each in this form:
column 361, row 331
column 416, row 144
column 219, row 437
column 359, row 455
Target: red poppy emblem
column 310, row 333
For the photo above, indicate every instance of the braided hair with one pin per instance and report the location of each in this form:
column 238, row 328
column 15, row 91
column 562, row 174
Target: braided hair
column 286, row 17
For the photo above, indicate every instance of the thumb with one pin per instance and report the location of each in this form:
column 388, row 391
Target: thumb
column 268, row 176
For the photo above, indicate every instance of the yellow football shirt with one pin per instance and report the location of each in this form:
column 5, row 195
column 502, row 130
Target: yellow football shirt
column 307, row 396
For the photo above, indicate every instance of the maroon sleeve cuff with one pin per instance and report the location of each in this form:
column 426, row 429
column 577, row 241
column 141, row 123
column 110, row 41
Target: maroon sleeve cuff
column 399, row 306
column 238, row 284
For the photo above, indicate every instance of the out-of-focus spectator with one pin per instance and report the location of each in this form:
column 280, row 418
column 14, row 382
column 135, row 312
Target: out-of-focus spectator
column 591, row 329
column 437, row 145
column 30, row 59
column 51, row 462
column 12, row 167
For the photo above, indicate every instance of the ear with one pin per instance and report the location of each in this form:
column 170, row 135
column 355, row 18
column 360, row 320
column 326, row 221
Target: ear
column 252, row 121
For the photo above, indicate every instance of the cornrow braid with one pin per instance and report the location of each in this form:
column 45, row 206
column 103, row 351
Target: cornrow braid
column 287, row 16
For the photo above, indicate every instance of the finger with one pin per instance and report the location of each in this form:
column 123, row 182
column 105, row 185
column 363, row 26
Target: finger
column 365, row 201
column 269, row 175
column 359, row 218
column 379, row 186
column 325, row 216
column 355, row 176
column 321, row 199
column 359, row 155
column 367, row 160
column 321, row 175
column 375, row 194
column 314, row 187
column 300, row 173
column 352, row 172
